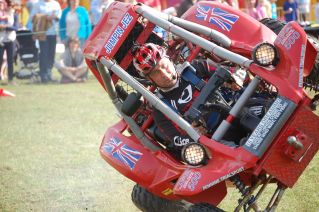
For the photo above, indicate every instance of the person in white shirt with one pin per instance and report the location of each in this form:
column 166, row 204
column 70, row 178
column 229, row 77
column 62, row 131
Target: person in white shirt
column 52, row 10
column 304, row 10
column 97, row 8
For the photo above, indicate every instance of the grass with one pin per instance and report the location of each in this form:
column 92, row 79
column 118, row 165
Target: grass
column 49, row 159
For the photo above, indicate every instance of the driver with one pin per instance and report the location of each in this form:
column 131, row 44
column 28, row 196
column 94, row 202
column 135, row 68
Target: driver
column 152, row 63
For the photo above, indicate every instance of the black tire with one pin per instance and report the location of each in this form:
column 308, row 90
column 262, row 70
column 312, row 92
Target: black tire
column 204, row 207
column 148, row 202
column 273, row 24
column 311, row 81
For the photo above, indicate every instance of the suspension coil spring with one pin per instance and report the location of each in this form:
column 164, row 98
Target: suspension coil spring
column 240, row 185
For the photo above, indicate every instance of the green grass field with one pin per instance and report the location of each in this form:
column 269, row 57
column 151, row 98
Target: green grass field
column 49, row 154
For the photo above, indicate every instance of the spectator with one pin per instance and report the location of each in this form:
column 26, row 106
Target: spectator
column 8, row 25
column 251, row 9
column 291, row 10
column 21, row 12
column 51, row 10
column 267, row 5
column 97, row 9
column 155, row 4
column 261, row 10
column 233, row 3
column 273, row 9
column 30, row 5
column 71, row 65
column 75, row 22
column 317, row 11
column 63, row 4
column 85, row 4
column 304, row 10
column 184, row 6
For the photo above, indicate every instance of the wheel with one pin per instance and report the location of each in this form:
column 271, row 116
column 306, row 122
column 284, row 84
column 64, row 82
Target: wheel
column 148, row 202
column 273, row 24
column 311, row 81
column 204, row 207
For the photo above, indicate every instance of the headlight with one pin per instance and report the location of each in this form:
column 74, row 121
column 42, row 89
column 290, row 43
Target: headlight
column 265, row 54
column 194, row 154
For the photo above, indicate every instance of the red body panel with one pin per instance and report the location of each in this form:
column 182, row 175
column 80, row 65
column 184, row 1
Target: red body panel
column 117, row 22
column 287, row 163
column 158, row 171
column 225, row 162
column 109, row 33
column 155, row 171
column 287, row 76
column 245, row 32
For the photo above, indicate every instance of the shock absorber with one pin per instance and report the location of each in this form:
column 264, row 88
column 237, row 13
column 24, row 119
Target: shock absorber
column 240, row 185
column 247, row 199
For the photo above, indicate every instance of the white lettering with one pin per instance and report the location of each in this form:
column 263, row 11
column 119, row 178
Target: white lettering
column 126, row 20
column 288, row 37
column 111, row 43
column 301, row 65
column 223, row 178
column 189, row 180
column 178, row 141
column 268, row 121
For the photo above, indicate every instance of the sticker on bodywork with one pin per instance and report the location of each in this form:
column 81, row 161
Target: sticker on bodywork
column 287, row 37
column 301, row 65
column 111, row 43
column 120, row 151
column 266, row 124
column 189, row 180
column 216, row 16
column 167, row 191
column 223, row 178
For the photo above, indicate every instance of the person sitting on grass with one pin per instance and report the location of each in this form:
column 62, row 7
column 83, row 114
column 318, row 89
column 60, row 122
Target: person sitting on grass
column 71, row 64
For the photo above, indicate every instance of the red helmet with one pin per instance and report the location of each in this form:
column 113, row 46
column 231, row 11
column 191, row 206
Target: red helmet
column 146, row 57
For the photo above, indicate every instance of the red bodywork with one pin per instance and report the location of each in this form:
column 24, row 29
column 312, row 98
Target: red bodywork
column 162, row 174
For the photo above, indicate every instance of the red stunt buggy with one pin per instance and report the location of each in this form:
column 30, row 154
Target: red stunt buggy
column 275, row 60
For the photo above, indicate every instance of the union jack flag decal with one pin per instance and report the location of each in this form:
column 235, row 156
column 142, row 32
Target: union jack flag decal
column 122, row 152
column 216, row 16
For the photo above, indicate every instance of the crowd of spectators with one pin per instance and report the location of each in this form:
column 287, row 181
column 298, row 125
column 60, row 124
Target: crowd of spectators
column 292, row 10
column 53, row 21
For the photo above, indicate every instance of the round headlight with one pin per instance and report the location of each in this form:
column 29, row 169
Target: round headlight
column 265, row 54
column 194, row 154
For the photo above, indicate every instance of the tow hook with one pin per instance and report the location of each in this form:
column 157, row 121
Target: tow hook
column 292, row 140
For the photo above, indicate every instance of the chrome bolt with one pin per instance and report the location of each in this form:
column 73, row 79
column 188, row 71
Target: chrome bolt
column 292, row 140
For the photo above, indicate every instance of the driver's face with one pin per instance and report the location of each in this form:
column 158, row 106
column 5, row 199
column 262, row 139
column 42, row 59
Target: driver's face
column 164, row 74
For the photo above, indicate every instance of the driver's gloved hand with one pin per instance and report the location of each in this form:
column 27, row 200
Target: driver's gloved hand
column 314, row 102
column 229, row 143
column 199, row 128
column 201, row 69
